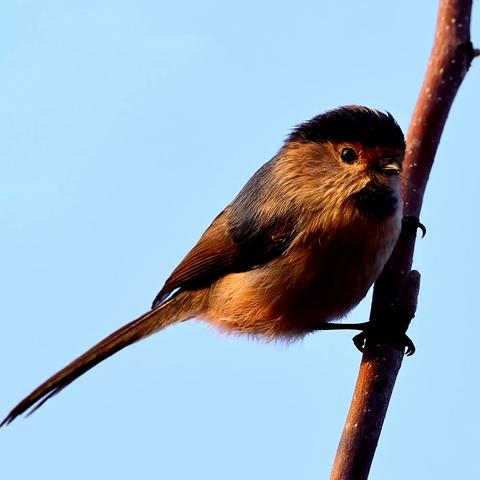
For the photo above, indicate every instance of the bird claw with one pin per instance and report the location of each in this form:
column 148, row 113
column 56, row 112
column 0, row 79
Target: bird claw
column 409, row 346
column 411, row 223
column 359, row 340
column 398, row 340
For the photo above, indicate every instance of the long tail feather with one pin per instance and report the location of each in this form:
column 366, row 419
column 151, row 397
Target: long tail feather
column 169, row 312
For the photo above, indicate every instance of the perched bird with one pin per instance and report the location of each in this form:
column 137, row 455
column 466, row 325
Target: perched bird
column 299, row 246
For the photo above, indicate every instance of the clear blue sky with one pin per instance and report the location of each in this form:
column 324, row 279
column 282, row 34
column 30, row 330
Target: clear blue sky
column 125, row 128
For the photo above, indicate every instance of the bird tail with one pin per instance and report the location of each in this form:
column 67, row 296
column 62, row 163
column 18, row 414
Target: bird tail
column 176, row 309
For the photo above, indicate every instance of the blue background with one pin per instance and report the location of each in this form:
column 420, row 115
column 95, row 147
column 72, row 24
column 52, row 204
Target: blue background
column 125, row 128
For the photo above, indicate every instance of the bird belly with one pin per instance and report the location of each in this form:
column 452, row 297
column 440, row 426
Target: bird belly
column 295, row 294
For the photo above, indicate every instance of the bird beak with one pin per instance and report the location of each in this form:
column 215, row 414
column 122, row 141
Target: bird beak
column 392, row 167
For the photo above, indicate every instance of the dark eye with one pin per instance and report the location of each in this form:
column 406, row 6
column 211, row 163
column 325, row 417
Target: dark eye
column 349, row 155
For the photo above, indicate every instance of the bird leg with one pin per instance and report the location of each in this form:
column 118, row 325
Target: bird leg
column 344, row 326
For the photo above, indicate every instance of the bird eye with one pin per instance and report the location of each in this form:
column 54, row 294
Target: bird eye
column 349, row 155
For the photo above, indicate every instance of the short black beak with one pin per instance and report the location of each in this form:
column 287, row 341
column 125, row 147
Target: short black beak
column 393, row 167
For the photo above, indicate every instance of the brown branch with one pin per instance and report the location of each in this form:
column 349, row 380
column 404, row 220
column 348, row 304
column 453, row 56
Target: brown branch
column 395, row 292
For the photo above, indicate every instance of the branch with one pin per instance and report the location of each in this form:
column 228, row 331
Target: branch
column 395, row 292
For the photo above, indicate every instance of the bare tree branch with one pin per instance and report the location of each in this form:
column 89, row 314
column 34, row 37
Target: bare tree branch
column 395, row 292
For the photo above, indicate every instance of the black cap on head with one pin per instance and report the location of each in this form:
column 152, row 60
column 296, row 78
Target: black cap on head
column 351, row 124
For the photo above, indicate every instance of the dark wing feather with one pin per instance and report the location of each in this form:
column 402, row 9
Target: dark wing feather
column 238, row 240
column 214, row 255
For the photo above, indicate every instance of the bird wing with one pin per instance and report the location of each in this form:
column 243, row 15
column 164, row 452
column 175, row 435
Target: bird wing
column 212, row 256
column 242, row 237
column 228, row 246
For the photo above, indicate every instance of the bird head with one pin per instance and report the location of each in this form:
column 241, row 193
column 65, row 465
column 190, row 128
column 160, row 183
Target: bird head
column 348, row 156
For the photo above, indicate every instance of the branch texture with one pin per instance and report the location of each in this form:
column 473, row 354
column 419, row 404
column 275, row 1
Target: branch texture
column 395, row 292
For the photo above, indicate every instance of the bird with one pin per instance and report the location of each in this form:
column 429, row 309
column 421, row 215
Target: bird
column 295, row 251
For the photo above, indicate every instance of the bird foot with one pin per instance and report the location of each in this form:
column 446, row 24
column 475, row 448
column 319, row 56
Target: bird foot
column 397, row 339
column 411, row 224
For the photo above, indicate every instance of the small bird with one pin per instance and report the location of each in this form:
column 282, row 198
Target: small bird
column 298, row 248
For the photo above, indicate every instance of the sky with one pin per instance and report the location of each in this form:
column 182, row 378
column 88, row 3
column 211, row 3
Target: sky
column 125, row 128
